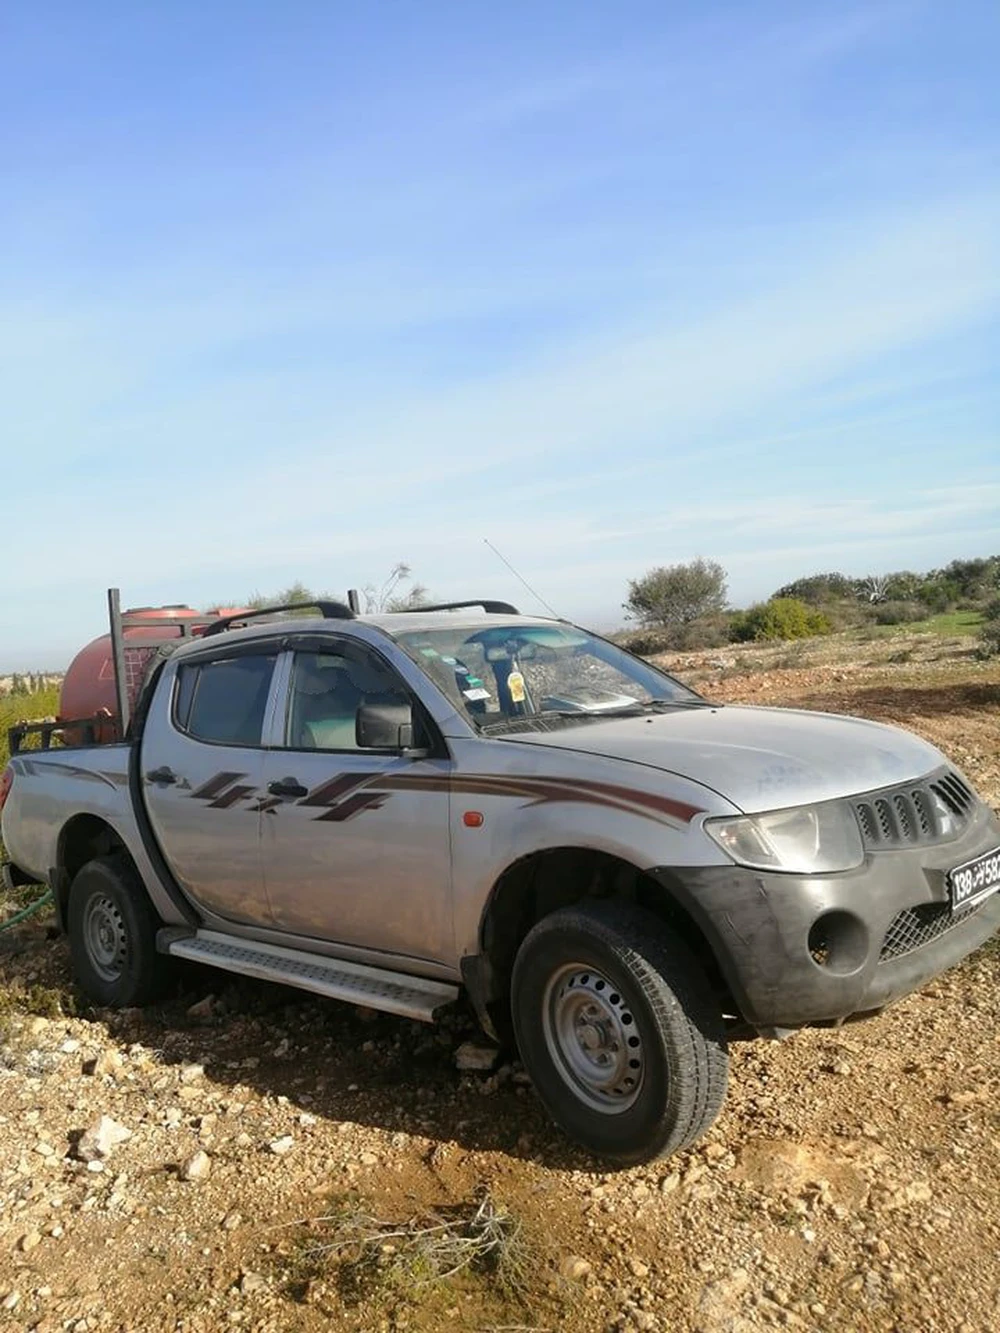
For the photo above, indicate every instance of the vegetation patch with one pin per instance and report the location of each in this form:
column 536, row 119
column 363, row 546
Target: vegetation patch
column 780, row 618
column 432, row 1254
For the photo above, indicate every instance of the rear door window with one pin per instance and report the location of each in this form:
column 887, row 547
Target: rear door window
column 224, row 702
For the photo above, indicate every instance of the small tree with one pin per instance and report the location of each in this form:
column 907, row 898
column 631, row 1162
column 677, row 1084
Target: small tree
column 819, row 588
column 297, row 593
column 392, row 596
column 675, row 595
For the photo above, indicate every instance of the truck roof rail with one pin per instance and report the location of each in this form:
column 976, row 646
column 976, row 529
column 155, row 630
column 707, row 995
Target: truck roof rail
column 328, row 610
column 491, row 608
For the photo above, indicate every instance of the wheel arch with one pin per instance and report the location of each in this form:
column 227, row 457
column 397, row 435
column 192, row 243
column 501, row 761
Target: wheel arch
column 81, row 839
column 539, row 883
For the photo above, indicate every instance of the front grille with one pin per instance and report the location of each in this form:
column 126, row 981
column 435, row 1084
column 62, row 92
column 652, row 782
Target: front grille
column 918, row 813
column 919, row 925
column 955, row 794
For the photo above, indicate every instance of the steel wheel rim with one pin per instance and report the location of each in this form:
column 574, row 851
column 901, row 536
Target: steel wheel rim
column 593, row 1038
column 105, row 938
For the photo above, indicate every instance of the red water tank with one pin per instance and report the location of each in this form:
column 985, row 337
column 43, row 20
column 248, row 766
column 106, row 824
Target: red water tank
column 89, row 685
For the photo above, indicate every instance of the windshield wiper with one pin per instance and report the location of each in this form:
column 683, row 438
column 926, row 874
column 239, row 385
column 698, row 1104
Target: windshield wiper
column 531, row 721
column 652, row 706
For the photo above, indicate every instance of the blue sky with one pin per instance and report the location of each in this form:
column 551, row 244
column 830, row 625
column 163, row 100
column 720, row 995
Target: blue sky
column 295, row 291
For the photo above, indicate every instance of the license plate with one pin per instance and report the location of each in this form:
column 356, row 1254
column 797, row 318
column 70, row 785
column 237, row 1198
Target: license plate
column 973, row 882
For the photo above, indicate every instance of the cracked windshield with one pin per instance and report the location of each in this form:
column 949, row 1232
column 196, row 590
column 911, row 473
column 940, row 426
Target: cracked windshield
column 510, row 676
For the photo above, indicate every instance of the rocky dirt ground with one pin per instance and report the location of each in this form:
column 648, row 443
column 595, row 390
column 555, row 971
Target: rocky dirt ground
column 170, row 1169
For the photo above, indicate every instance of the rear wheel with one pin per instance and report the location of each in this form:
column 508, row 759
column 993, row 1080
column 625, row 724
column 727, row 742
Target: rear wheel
column 112, row 935
column 619, row 1031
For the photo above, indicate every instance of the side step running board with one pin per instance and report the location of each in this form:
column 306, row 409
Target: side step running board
column 394, row 992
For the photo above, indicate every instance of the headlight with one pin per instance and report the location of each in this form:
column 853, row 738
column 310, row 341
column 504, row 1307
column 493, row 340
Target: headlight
column 808, row 839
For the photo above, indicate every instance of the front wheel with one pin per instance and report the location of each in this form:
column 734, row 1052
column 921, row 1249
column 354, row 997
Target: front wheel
column 112, row 935
column 618, row 1028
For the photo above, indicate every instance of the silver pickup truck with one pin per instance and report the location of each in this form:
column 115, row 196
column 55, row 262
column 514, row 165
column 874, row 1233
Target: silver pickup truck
column 621, row 874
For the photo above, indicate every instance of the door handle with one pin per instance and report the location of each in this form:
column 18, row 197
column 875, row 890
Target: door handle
column 287, row 787
column 162, row 776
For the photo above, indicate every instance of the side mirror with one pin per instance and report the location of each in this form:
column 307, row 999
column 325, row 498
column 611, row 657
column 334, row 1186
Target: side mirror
column 384, row 727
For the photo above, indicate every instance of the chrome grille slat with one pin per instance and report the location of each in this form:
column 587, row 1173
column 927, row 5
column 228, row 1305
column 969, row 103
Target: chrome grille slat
column 915, row 814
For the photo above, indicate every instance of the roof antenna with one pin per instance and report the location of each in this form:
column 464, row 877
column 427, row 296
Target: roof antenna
column 537, row 596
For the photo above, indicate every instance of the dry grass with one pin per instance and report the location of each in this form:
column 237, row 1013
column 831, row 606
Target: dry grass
column 481, row 1238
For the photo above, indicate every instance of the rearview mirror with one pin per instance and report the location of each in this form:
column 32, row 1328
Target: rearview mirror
column 384, row 727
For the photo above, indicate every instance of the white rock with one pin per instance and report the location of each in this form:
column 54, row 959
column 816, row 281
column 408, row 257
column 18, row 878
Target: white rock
column 472, row 1055
column 106, row 1065
column 197, row 1167
column 101, row 1138
column 191, row 1073
column 282, row 1145
column 575, row 1268
column 202, row 1008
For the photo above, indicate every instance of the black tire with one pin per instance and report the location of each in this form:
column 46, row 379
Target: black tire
column 112, row 935
column 654, row 996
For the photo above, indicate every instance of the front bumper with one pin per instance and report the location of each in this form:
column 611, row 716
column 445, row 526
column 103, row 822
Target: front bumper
column 898, row 928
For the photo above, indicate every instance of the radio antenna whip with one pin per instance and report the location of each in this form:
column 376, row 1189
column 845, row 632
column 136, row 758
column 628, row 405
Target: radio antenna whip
column 537, row 596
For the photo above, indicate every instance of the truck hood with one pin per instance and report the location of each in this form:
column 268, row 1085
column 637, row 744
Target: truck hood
column 757, row 758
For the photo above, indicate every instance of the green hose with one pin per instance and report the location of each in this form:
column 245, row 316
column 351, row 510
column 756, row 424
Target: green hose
column 30, row 910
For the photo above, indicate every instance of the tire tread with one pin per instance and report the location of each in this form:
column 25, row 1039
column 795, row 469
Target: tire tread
column 687, row 1017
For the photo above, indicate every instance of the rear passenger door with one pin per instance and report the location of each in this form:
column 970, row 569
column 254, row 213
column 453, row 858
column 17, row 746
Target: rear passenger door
column 355, row 843
column 202, row 771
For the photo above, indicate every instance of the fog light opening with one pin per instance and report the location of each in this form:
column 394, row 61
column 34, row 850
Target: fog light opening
column 838, row 943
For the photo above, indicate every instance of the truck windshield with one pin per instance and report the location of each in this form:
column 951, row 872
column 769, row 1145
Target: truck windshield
column 510, row 677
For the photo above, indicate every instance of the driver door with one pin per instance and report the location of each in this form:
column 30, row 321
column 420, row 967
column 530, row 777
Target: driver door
column 356, row 844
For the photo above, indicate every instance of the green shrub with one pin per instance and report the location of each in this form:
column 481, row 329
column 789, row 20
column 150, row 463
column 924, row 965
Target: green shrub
column 780, row 618
column 989, row 634
column 705, row 632
column 900, row 612
column 938, row 595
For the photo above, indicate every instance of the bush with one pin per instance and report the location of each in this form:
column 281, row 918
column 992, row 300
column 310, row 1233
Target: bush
column 900, row 613
column 848, row 614
column 706, row 632
column 938, row 595
column 648, row 642
column 780, row 618
column 989, row 634
column 818, row 589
